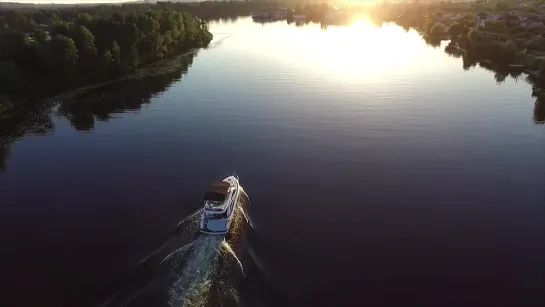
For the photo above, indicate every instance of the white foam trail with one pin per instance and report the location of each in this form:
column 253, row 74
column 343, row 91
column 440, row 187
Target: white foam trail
column 193, row 282
column 192, row 220
column 228, row 248
column 179, row 253
column 189, row 218
column 245, row 216
column 193, row 266
column 246, row 195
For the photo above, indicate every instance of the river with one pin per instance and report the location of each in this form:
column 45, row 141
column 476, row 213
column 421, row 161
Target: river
column 380, row 173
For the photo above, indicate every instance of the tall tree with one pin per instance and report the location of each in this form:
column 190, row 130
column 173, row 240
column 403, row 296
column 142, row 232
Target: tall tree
column 116, row 54
column 85, row 42
column 63, row 52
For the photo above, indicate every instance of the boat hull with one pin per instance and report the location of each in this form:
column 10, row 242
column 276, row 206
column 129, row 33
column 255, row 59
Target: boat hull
column 220, row 226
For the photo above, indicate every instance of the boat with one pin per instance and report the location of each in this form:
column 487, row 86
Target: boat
column 220, row 203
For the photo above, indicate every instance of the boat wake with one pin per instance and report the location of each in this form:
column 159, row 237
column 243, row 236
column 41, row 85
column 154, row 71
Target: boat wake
column 190, row 285
column 203, row 272
column 198, row 272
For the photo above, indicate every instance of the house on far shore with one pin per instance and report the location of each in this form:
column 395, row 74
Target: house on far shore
column 481, row 18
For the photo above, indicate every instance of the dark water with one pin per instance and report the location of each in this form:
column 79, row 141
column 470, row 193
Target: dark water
column 380, row 172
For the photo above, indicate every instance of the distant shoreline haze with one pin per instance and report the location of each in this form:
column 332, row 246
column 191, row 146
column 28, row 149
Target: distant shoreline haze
column 68, row 1
column 51, row 2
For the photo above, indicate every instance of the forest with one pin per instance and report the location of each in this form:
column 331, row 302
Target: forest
column 44, row 51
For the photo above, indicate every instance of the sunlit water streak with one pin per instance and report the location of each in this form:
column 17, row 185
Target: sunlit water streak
column 226, row 247
column 245, row 216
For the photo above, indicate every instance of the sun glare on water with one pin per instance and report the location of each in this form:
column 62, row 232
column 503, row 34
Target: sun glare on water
column 362, row 50
column 346, row 53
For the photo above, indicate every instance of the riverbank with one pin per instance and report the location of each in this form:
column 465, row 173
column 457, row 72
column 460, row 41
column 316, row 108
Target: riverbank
column 163, row 66
column 11, row 104
column 43, row 54
column 504, row 36
column 46, row 52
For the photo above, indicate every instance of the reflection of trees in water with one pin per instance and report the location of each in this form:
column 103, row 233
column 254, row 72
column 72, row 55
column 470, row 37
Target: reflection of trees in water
column 36, row 121
column 4, row 155
column 432, row 41
column 225, row 19
column 500, row 75
column 539, row 111
column 83, row 110
column 539, row 105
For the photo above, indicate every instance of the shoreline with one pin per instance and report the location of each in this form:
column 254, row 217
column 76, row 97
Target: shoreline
column 161, row 66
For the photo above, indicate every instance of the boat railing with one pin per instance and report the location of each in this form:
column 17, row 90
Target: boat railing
column 227, row 174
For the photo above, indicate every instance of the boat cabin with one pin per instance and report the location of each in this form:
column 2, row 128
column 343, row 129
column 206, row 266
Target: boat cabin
column 214, row 200
column 217, row 191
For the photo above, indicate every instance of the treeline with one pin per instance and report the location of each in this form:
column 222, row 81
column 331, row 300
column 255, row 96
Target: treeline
column 45, row 51
column 504, row 44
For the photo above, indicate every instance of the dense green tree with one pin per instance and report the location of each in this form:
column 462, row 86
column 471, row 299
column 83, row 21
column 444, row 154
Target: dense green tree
column 63, row 52
column 41, row 36
column 84, row 19
column 61, row 28
column 115, row 52
column 457, row 29
column 85, row 42
column 118, row 17
column 132, row 60
column 10, row 77
column 48, row 50
column 438, row 30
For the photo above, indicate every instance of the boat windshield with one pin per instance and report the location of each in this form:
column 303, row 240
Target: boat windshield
column 216, row 216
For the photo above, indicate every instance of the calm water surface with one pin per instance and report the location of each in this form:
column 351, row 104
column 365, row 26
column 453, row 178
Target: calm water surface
column 380, row 172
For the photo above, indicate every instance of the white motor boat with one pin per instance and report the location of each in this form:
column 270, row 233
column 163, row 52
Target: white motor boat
column 220, row 203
